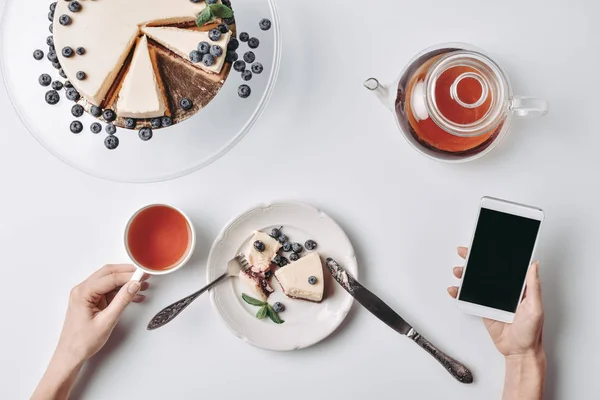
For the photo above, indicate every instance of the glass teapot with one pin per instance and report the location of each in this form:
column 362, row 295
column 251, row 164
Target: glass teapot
column 453, row 103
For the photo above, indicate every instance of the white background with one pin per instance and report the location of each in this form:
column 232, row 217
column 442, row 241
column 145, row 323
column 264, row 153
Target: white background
column 326, row 141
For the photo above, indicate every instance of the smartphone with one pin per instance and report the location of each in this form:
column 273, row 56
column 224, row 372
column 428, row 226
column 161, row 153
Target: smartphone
column 499, row 257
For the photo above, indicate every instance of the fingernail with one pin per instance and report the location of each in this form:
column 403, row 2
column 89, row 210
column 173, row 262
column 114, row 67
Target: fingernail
column 134, row 287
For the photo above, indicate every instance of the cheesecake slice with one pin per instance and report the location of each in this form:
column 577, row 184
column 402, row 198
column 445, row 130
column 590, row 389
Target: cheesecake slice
column 295, row 278
column 256, row 283
column 141, row 95
column 183, row 41
column 261, row 261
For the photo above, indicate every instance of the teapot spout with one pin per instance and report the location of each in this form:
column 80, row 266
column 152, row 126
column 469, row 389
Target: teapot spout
column 381, row 91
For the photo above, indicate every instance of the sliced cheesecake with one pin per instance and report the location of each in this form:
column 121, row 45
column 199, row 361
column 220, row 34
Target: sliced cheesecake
column 256, row 278
column 295, row 278
column 256, row 283
column 141, row 95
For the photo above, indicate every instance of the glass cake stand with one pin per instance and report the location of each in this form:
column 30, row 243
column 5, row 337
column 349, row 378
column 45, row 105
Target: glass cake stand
column 173, row 152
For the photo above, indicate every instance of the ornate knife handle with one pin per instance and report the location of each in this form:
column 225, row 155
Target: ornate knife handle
column 456, row 369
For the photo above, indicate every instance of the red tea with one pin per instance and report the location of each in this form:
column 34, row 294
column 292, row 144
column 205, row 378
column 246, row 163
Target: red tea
column 159, row 238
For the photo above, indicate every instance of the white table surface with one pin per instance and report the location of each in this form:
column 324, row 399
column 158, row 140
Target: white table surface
column 326, row 141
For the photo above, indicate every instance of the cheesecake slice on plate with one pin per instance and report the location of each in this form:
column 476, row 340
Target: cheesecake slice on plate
column 256, row 277
column 303, row 279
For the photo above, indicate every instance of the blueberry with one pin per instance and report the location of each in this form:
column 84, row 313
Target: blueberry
column 56, row 65
column 45, row 79
column 38, row 54
column 287, row 247
column 297, row 248
column 80, row 51
column 52, row 57
column 74, row 6
column 244, row 36
column 111, row 129
column 77, row 110
column 51, row 28
column 155, row 123
column 145, row 134
column 67, row 52
column 61, row 72
column 226, row 2
column 246, row 75
column 233, row 44
column 50, row 40
column 264, row 24
column 52, row 97
column 130, row 123
column 211, row 1
column 276, row 259
column 72, row 94
column 57, row 85
column 195, row 56
column 216, row 50
column 80, row 75
column 111, row 142
column 239, row 66
column 186, row 104
column 231, row 56
column 259, row 246
column 208, row 60
column 310, row 245
column 195, row 1
column 312, row 280
column 109, row 115
column 294, row 257
column 229, row 21
column 50, row 16
column 244, row 91
column 268, row 274
column 281, row 238
column 278, row 307
column 249, row 57
column 53, row 6
column 96, row 127
column 223, row 28
column 275, row 232
column 203, row 47
column 76, row 127
column 253, row 43
column 64, row 20
column 68, row 84
column 257, row 68
column 94, row 110
column 214, row 34
column 166, row 121
column 284, row 262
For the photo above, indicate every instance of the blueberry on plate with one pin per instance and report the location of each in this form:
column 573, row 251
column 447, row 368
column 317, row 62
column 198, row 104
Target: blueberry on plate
column 77, row 110
column 264, row 24
column 50, row 16
column 216, row 50
column 80, row 75
column 111, row 142
column 76, row 127
column 208, row 60
column 203, row 47
column 68, row 84
column 53, row 6
column 109, row 115
column 259, row 246
column 67, row 52
column 52, row 57
column 246, row 75
column 56, row 65
column 186, row 104
column 284, row 262
column 72, row 94
column 281, row 238
column 94, row 110
column 45, row 79
column 239, row 66
column 249, row 57
column 268, row 274
column 64, row 20
column 38, row 54
column 52, row 97
column 231, row 56
column 244, row 91
column 257, row 68
column 195, row 56
column 233, row 44
column 74, row 6
column 211, row 1
column 96, row 127
column 275, row 232
column 287, row 247
column 166, row 121
column 294, row 257
column 244, row 36
column 214, row 34
column 195, row 1
column 145, row 134
column 310, row 245
column 276, row 259
column 51, row 28
column 57, row 85
column 80, row 51
column 50, row 40
column 61, row 72
column 111, row 129
column 155, row 123
column 223, row 28
column 130, row 123
column 312, row 280
column 253, row 43
column 226, row 2
column 278, row 307
column 297, row 248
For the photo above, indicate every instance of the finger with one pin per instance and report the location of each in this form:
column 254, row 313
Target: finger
column 145, row 286
column 112, row 269
column 453, row 291
column 110, row 296
column 458, row 272
column 462, row 251
column 534, row 286
column 116, row 307
column 108, row 283
column 139, row 298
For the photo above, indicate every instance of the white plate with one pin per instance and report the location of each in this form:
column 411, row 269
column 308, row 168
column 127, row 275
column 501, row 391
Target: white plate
column 305, row 323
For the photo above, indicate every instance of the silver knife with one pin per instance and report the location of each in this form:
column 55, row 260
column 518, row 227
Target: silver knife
column 382, row 311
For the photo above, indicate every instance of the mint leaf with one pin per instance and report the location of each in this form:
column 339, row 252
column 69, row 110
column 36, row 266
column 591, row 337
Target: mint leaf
column 253, row 301
column 273, row 315
column 221, row 10
column 262, row 313
column 205, row 16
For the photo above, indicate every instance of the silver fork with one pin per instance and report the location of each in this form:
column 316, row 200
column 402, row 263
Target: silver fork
column 169, row 313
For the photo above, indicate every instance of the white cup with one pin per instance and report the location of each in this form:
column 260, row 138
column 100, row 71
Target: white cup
column 141, row 270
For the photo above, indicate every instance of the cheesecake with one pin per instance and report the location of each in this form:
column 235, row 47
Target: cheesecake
column 256, row 283
column 141, row 95
column 261, row 261
column 303, row 279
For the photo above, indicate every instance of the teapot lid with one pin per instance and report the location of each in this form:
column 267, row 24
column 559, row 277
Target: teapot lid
column 466, row 93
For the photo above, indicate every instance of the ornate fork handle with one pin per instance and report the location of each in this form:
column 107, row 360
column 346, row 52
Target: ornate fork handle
column 169, row 313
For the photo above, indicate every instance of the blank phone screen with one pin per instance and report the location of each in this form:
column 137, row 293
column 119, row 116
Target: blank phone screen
column 499, row 259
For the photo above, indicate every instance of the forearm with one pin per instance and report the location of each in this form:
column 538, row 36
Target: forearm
column 58, row 380
column 525, row 376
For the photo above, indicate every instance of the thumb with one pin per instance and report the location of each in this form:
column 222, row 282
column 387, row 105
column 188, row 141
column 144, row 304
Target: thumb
column 121, row 301
column 534, row 286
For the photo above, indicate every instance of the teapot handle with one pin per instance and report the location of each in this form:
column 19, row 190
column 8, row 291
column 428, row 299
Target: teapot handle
column 528, row 107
